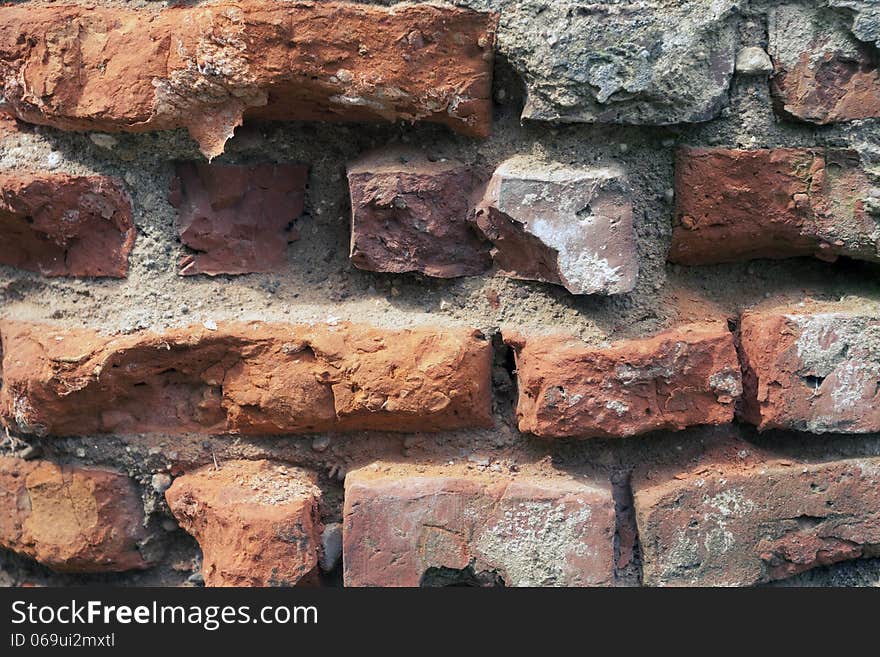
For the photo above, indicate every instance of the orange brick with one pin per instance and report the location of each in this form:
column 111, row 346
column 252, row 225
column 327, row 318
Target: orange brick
column 682, row 377
column 256, row 522
column 70, row 518
column 207, row 67
column 244, row 378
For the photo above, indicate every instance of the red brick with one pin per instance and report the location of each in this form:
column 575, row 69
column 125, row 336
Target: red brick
column 404, row 523
column 237, row 219
column 736, row 516
column 822, row 74
column 571, row 226
column 206, row 67
column 409, row 213
column 812, row 369
column 739, row 204
column 244, row 378
column 257, row 522
column 70, row 518
column 686, row 376
column 63, row 225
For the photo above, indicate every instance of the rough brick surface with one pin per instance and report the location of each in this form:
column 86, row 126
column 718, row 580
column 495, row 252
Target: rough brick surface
column 738, row 204
column 406, row 525
column 559, row 224
column 243, row 378
column 63, row 225
column 411, row 214
column 822, row 73
column 256, row 521
column 237, row 219
column 737, row 517
column 813, row 370
column 205, row 67
column 70, row 518
column 682, row 377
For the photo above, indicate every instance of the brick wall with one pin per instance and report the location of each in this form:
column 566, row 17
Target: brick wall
column 488, row 293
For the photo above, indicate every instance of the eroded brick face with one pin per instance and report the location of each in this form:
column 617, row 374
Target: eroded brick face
column 410, row 213
column 811, row 369
column 561, row 224
column 237, row 219
column 734, row 204
column 63, row 225
column 410, row 525
column 243, row 378
column 681, row 377
column 70, row 518
column 737, row 516
column 206, row 67
column 257, row 522
column 822, row 73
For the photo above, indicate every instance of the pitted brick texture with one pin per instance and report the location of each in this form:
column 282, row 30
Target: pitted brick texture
column 257, row 522
column 571, row 226
column 237, row 219
column 822, row 73
column 815, row 370
column 737, row 516
column 62, row 225
column 404, row 524
column 206, row 67
column 681, row 377
column 243, row 378
column 70, row 518
column 734, row 204
column 410, row 213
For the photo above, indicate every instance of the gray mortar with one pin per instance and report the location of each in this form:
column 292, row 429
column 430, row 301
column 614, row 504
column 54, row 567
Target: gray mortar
column 320, row 284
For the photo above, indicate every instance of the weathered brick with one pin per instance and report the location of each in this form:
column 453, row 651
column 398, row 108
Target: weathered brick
column 244, row 378
column 738, row 204
column 736, row 516
column 560, row 224
column 63, row 225
column 257, row 522
column 70, row 518
column 206, row 67
column 411, row 214
column 686, row 376
column 237, row 219
column 406, row 525
column 811, row 369
column 823, row 74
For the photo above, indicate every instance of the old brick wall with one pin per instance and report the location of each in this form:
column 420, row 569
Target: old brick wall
column 497, row 292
